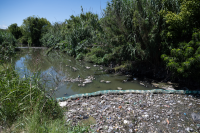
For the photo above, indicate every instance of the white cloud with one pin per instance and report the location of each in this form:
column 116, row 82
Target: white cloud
column 3, row 27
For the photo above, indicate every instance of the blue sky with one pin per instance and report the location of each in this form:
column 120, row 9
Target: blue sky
column 14, row 11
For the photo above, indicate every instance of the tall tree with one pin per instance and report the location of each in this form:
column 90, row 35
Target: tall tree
column 15, row 30
column 184, row 36
column 33, row 28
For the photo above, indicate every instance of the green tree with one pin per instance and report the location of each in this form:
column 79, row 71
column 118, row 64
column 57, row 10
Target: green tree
column 135, row 28
column 81, row 32
column 181, row 24
column 184, row 61
column 33, row 28
column 15, row 30
column 183, row 35
column 53, row 35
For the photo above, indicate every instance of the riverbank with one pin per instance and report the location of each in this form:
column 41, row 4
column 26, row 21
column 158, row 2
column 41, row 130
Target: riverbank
column 136, row 112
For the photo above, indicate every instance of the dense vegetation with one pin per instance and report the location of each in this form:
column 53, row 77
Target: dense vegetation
column 129, row 32
column 25, row 104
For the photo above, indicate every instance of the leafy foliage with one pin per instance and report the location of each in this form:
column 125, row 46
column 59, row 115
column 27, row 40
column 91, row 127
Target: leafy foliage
column 139, row 31
column 135, row 27
column 54, row 35
column 23, row 96
column 7, row 43
column 183, row 27
column 33, row 28
column 80, row 33
column 15, row 30
column 184, row 60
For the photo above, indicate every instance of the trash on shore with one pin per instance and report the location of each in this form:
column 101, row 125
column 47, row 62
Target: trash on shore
column 134, row 112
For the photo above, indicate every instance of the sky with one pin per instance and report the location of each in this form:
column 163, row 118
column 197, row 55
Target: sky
column 15, row 11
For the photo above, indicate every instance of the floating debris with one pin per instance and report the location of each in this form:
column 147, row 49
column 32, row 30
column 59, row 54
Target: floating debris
column 102, row 81
column 124, row 81
column 136, row 112
column 142, row 83
column 87, row 81
column 75, row 69
column 134, row 78
column 108, row 81
column 119, row 88
column 87, row 67
column 62, row 104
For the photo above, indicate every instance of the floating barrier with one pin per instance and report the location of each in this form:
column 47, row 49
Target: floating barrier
column 127, row 91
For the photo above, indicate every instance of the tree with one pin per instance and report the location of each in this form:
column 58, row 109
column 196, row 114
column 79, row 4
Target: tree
column 183, row 34
column 33, row 27
column 182, row 24
column 15, row 30
column 185, row 60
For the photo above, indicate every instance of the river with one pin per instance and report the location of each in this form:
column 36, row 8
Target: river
column 58, row 67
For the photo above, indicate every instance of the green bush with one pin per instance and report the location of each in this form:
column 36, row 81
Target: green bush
column 80, row 56
column 24, row 97
column 7, row 50
column 185, row 60
column 95, row 55
column 53, row 35
column 33, row 27
column 6, row 36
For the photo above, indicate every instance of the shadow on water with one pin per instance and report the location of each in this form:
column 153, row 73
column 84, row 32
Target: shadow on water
column 65, row 75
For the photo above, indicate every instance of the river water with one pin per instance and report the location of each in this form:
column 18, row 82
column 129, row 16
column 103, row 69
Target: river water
column 55, row 68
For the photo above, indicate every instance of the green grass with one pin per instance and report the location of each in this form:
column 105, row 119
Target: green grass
column 33, row 124
column 25, row 106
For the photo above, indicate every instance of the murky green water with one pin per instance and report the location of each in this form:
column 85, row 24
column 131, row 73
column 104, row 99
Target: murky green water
column 57, row 67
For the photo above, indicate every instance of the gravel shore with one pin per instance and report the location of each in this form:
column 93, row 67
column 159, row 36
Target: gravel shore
column 142, row 113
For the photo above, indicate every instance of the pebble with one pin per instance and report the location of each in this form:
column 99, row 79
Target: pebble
column 137, row 112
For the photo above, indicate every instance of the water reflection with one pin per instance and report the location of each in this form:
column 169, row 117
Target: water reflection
column 57, row 67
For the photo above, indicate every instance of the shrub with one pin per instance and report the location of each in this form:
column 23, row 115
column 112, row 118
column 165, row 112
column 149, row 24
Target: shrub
column 24, row 97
